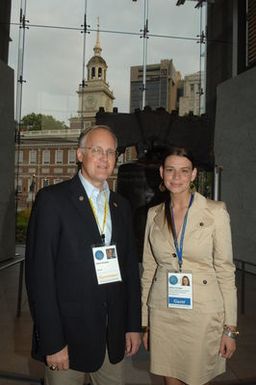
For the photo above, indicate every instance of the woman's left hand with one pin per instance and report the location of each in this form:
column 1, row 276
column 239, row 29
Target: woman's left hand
column 227, row 346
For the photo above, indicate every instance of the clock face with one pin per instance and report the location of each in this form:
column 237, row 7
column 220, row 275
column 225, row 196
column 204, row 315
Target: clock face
column 90, row 102
column 109, row 105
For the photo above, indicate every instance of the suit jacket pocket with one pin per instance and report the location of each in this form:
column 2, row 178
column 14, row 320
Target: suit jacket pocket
column 158, row 292
column 207, row 297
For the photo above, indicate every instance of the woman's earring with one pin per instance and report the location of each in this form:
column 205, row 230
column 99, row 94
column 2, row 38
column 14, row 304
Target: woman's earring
column 162, row 187
column 192, row 187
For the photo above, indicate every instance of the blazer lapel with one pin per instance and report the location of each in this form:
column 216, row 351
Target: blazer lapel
column 81, row 202
column 113, row 206
column 160, row 221
column 198, row 216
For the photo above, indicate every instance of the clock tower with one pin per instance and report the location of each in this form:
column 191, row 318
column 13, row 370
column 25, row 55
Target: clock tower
column 94, row 92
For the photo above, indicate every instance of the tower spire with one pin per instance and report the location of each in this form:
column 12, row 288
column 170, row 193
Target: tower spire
column 97, row 48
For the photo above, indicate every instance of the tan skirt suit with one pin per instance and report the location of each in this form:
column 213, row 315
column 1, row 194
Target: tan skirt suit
column 184, row 343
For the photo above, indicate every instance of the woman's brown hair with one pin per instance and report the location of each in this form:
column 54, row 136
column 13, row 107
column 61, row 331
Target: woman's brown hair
column 177, row 151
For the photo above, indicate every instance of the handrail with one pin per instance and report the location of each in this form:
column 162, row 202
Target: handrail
column 243, row 262
column 20, row 378
column 243, row 272
column 3, row 266
column 12, row 262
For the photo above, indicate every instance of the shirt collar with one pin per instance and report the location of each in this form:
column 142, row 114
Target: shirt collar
column 91, row 190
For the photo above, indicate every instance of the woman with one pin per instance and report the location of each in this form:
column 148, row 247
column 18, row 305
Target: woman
column 191, row 330
column 185, row 281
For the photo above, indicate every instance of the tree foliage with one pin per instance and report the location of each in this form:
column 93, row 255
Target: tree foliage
column 22, row 224
column 41, row 122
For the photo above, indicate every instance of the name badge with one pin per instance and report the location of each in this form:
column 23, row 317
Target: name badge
column 179, row 290
column 106, row 264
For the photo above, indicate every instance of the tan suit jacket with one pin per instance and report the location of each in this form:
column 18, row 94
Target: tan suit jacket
column 207, row 253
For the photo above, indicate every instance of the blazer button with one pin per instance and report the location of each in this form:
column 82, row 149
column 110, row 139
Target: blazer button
column 174, row 255
column 204, row 282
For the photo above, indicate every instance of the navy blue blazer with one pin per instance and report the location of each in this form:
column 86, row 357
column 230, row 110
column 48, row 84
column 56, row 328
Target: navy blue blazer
column 68, row 306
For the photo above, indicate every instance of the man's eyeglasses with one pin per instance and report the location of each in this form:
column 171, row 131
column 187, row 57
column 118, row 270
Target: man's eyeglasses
column 98, row 152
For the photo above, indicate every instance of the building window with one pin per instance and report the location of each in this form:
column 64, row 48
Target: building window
column 46, row 157
column 191, row 88
column 71, row 171
column 32, row 184
column 71, row 156
column 19, row 186
column 55, row 181
column 32, row 157
column 100, row 72
column 45, row 182
column 58, row 156
column 58, row 171
column 93, row 72
column 19, row 156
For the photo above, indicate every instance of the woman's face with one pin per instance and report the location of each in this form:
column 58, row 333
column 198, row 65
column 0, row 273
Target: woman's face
column 177, row 174
column 185, row 281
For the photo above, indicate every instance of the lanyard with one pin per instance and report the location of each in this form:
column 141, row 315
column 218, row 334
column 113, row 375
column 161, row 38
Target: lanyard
column 179, row 248
column 101, row 228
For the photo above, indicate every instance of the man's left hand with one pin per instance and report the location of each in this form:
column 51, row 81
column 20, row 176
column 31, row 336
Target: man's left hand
column 133, row 341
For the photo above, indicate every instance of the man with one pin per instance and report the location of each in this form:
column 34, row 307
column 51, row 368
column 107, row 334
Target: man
column 85, row 308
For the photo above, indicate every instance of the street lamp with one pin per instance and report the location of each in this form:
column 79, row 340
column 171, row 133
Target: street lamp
column 145, row 48
column 32, row 188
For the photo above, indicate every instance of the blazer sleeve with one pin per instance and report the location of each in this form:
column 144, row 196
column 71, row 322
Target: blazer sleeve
column 133, row 319
column 223, row 264
column 41, row 251
column 149, row 268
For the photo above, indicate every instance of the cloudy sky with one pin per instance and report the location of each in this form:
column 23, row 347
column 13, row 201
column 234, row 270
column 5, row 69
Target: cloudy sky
column 53, row 56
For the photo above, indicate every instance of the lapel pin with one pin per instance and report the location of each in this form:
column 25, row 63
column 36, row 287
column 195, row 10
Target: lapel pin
column 115, row 204
column 201, row 224
column 81, row 198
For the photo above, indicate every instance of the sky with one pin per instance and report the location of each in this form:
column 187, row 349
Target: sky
column 53, row 50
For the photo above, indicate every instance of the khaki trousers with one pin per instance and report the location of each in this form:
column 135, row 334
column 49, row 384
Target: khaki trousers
column 108, row 374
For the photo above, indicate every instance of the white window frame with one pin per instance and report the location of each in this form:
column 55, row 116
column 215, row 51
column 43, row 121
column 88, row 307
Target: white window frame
column 57, row 180
column 19, row 156
column 45, row 182
column 46, row 157
column 32, row 156
column 19, row 186
column 72, row 156
column 58, row 156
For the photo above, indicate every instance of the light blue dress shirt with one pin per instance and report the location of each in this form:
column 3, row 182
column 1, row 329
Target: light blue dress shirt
column 98, row 199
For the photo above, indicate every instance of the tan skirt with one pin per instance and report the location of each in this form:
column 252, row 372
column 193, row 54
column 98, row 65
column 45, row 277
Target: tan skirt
column 184, row 344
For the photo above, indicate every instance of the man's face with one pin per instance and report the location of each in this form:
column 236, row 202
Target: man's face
column 97, row 156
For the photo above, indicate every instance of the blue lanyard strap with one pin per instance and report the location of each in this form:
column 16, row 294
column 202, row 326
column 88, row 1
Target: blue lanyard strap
column 179, row 248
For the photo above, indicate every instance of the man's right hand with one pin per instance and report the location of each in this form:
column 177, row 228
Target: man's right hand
column 58, row 360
